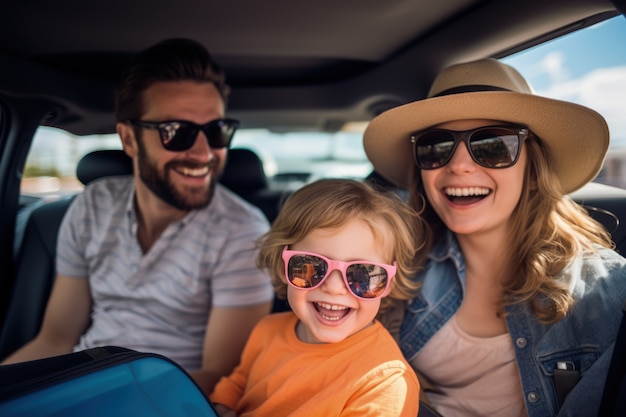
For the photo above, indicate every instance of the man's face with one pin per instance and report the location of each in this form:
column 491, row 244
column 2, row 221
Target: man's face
column 184, row 180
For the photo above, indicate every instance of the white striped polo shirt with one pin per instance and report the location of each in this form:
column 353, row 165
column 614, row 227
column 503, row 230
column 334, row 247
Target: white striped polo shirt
column 160, row 301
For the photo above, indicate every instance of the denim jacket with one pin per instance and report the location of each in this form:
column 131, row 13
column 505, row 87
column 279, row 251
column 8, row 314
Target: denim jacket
column 584, row 339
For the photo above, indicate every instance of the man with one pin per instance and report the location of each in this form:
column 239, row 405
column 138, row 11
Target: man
column 163, row 261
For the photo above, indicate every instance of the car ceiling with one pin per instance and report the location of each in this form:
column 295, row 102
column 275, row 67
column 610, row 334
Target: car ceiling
column 291, row 64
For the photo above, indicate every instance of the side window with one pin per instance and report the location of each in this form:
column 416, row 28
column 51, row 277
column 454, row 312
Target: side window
column 587, row 67
column 50, row 170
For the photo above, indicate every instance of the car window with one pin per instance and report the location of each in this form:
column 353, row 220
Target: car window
column 586, row 67
column 50, row 170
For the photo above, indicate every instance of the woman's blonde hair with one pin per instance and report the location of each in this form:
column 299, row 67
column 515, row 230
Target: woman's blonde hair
column 549, row 231
column 331, row 203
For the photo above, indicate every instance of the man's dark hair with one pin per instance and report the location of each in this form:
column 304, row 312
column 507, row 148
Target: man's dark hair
column 169, row 60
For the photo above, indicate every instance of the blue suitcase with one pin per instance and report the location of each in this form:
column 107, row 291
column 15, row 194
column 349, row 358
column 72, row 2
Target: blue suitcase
column 105, row 381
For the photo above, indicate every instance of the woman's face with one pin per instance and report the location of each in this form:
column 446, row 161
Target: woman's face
column 471, row 199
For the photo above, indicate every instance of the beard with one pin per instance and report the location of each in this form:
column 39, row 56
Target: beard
column 161, row 185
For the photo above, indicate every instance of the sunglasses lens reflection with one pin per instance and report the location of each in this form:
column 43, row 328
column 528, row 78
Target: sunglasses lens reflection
column 495, row 150
column 219, row 134
column 306, row 271
column 177, row 136
column 434, row 149
column 367, row 281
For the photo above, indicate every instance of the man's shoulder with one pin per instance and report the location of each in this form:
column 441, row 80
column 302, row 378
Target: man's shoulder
column 104, row 194
column 114, row 186
column 231, row 207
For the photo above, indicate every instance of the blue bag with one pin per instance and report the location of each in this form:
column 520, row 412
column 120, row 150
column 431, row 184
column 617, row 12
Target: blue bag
column 105, row 381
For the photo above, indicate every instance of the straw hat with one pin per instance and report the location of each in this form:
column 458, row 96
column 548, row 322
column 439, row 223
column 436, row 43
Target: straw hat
column 576, row 136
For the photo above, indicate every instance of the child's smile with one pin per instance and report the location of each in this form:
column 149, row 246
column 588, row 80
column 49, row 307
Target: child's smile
column 331, row 312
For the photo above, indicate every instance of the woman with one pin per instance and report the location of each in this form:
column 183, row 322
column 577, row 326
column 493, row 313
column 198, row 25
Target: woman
column 522, row 292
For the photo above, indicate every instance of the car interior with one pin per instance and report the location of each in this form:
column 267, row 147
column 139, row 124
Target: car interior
column 293, row 66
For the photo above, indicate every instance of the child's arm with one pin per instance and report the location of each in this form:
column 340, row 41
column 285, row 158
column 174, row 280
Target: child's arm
column 224, row 411
column 229, row 389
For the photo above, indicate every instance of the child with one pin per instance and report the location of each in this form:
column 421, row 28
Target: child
column 336, row 250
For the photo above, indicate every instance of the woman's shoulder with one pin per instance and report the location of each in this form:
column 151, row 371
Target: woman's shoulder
column 604, row 263
column 602, row 271
column 611, row 255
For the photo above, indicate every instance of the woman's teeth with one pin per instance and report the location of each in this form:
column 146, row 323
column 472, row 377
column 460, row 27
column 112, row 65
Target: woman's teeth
column 466, row 192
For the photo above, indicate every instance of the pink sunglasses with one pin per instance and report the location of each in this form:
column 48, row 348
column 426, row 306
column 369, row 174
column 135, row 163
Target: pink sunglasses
column 365, row 279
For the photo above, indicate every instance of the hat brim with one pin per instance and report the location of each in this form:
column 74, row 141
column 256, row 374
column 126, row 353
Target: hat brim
column 577, row 137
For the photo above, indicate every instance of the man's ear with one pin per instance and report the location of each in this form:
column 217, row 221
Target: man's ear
column 127, row 136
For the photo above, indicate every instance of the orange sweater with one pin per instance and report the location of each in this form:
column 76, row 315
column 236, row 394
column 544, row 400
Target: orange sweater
column 364, row 375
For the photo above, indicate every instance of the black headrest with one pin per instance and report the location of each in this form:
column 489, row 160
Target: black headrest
column 104, row 163
column 244, row 172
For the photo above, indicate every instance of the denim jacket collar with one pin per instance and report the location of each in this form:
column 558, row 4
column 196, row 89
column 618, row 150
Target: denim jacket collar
column 448, row 247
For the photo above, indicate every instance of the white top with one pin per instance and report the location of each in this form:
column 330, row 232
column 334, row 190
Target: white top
column 160, row 301
column 476, row 376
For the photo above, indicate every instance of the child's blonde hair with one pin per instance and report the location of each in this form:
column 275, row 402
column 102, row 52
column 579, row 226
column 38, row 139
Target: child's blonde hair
column 330, row 203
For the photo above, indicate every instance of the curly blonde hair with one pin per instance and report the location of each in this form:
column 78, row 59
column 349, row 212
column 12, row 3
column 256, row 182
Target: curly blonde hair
column 330, row 203
column 549, row 231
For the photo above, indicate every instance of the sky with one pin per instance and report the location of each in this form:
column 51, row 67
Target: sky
column 587, row 67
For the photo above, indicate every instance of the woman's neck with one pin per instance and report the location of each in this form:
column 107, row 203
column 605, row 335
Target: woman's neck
column 488, row 266
column 486, row 255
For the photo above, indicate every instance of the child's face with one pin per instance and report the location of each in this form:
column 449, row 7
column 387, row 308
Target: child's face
column 330, row 313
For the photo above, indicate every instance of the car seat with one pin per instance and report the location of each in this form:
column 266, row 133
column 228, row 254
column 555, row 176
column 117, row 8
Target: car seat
column 103, row 163
column 244, row 175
